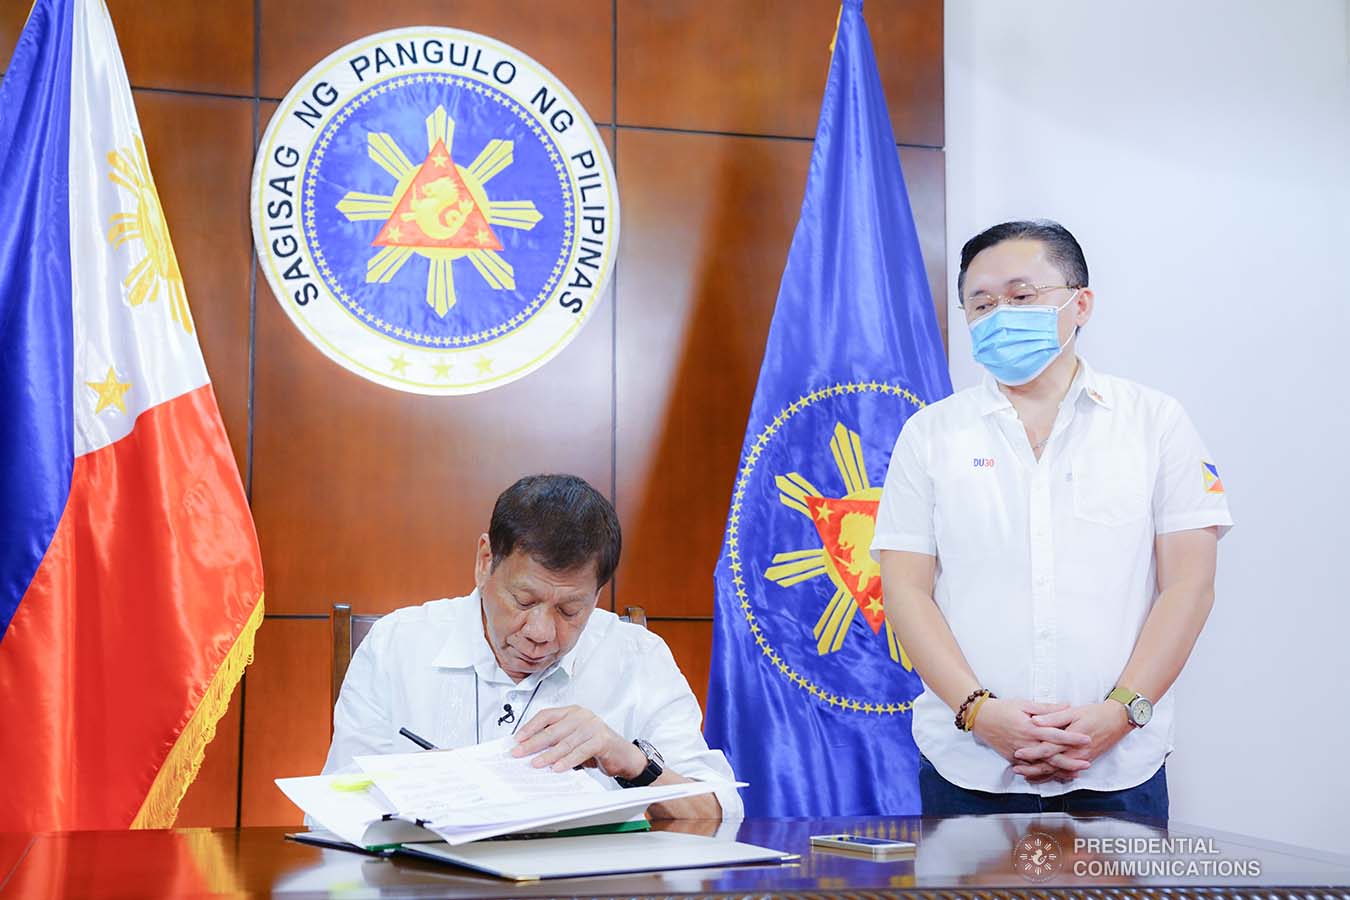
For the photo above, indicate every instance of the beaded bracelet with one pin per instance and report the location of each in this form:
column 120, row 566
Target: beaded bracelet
column 961, row 712
column 960, row 720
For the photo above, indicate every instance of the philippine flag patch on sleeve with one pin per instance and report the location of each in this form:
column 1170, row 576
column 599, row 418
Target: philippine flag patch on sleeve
column 1212, row 483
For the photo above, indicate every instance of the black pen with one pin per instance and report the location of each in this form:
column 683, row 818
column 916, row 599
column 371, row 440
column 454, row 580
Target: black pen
column 417, row 739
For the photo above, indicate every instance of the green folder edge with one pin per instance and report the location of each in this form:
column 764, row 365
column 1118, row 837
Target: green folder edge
column 614, row 828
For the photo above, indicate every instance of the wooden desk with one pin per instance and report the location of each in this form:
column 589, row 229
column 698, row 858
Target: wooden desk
column 957, row 857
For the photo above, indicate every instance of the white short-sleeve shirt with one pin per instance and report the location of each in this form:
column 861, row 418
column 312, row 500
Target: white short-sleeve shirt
column 1046, row 568
column 429, row 669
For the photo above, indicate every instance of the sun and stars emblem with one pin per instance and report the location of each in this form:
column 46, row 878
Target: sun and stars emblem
column 838, row 570
column 156, row 274
column 845, row 525
column 440, row 211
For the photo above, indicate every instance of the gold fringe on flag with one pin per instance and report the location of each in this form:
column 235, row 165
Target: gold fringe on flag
column 180, row 767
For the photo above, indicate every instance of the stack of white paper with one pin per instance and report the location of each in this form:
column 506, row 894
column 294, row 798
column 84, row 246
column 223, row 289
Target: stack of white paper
column 466, row 795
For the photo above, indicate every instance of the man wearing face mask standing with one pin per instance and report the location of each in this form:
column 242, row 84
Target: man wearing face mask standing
column 527, row 657
column 1048, row 543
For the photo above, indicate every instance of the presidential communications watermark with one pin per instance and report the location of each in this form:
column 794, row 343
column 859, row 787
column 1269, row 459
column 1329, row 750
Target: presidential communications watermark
column 1156, row 857
column 1040, row 856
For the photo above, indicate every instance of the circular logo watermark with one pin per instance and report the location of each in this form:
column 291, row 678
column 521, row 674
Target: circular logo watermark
column 1037, row 856
column 434, row 210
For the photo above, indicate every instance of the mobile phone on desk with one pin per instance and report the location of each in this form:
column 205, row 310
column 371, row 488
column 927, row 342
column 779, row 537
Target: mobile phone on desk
column 876, row 848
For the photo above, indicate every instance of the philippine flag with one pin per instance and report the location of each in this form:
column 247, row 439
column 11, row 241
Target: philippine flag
column 130, row 581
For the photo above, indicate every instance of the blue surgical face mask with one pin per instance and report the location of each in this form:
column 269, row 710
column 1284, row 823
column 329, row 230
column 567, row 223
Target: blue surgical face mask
column 1017, row 343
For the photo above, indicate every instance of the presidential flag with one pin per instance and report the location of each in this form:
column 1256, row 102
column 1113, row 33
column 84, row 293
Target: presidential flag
column 130, row 581
column 810, row 693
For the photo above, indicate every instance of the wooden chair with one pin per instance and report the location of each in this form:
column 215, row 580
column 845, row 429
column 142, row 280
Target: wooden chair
column 348, row 633
column 350, row 630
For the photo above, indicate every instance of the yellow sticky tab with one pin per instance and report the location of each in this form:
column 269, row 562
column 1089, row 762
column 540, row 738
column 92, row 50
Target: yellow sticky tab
column 351, row 783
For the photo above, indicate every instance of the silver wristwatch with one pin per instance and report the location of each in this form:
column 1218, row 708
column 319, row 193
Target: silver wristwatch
column 1138, row 708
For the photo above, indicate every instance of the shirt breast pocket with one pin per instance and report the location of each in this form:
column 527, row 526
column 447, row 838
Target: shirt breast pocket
column 1112, row 488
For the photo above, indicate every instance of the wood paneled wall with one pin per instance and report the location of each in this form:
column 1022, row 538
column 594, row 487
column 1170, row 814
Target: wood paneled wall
column 375, row 498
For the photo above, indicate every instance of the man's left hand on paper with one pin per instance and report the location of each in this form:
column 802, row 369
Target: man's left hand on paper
column 570, row 736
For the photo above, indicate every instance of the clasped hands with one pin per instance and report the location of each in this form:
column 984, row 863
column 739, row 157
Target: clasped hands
column 1050, row 741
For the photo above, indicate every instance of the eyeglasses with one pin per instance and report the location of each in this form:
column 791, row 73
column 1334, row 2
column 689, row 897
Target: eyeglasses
column 1019, row 294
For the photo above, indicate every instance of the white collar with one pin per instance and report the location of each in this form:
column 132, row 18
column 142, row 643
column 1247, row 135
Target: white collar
column 467, row 647
column 1086, row 383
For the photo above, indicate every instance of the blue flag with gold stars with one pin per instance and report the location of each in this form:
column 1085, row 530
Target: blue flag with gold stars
column 810, row 692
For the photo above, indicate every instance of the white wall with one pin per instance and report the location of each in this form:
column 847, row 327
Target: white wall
column 1200, row 152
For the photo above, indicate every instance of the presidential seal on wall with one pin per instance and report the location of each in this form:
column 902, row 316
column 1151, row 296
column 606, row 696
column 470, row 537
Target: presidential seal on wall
column 434, row 210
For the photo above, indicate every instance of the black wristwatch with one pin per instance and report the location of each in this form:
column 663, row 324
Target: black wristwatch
column 655, row 766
